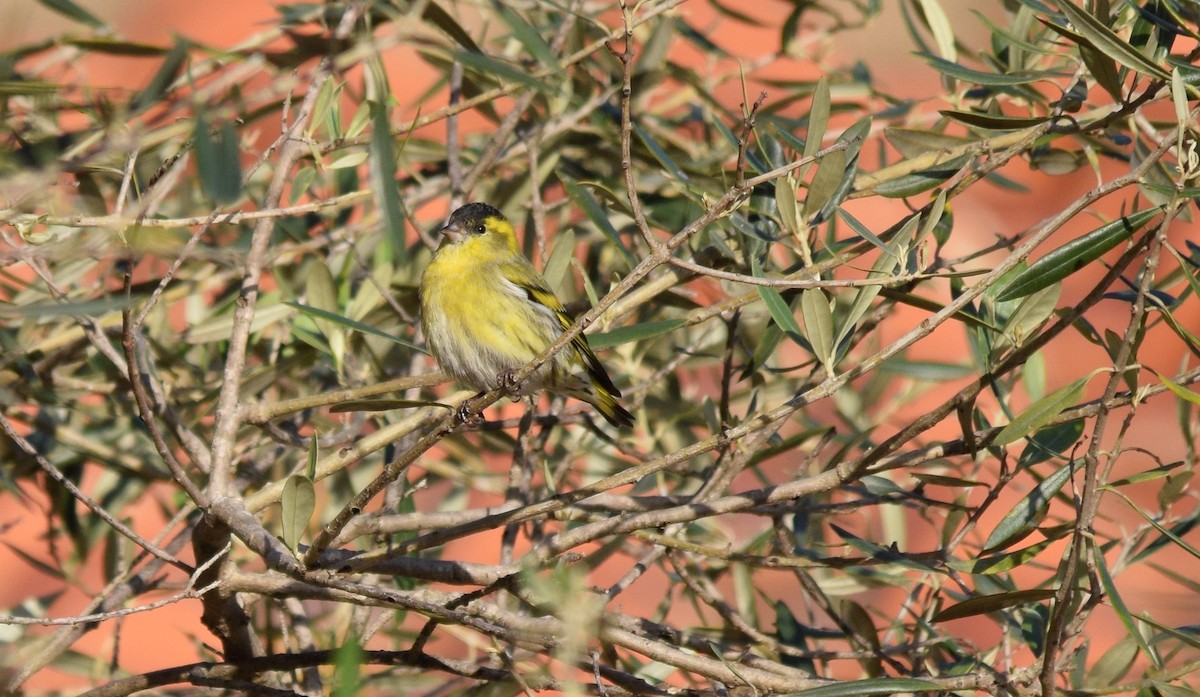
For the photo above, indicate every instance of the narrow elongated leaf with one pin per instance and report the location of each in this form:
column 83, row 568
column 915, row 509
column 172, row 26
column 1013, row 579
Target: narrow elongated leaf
column 321, row 293
column 68, row 9
column 781, row 312
column 939, row 25
column 560, row 258
column 979, row 77
column 921, row 180
column 81, row 308
column 637, row 332
column 818, row 320
column 830, row 172
column 219, row 327
column 163, row 78
column 1041, row 412
column 1075, row 255
column 583, row 198
column 1029, row 315
column 659, row 153
column 992, row 603
column 218, row 161
column 317, row 313
column 1029, row 512
column 443, row 20
column 1000, row 563
column 1179, row 390
column 996, row 123
column 115, row 47
column 818, row 120
column 1107, row 41
column 1103, row 69
column 497, row 70
column 858, row 619
column 383, row 180
column 1050, row 441
column 298, row 501
column 1113, row 596
column 529, row 37
column 879, row 552
column 785, row 201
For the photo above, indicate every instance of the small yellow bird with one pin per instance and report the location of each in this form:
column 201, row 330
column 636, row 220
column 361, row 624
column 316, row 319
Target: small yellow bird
column 486, row 312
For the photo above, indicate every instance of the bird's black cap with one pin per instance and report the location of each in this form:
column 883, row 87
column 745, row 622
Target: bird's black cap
column 469, row 216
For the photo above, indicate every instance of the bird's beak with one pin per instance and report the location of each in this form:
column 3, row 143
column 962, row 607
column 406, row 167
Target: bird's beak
column 452, row 233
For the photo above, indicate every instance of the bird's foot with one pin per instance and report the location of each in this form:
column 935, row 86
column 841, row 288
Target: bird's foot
column 509, row 383
column 467, row 414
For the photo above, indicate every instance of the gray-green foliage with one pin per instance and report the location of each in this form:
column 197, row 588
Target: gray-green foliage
column 858, row 421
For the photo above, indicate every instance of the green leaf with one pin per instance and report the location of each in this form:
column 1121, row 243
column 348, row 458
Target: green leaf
column 1108, row 43
column 163, row 78
column 818, row 320
column 933, row 371
column 921, row 180
column 383, row 180
column 1103, row 70
column 831, row 170
column 888, row 555
column 70, row 10
column 818, row 121
column 347, row 668
column 218, row 161
column 659, row 153
column 83, row 308
column 443, row 20
column 1113, row 596
column 497, row 70
column 978, row 77
column 559, row 259
column 317, row 313
column 636, row 332
column 298, row 502
column 912, row 142
column 1004, row 562
column 781, row 312
column 874, row 686
column 1034, row 310
column 30, row 88
column 321, row 294
column 1112, row 666
column 1179, row 390
column 115, row 47
column 995, row 123
column 595, row 212
column 529, row 37
column 785, row 201
column 992, row 603
column 1041, row 412
column 218, row 327
column 1075, row 255
column 883, row 267
column 1050, row 441
column 1029, row 512
column 939, row 25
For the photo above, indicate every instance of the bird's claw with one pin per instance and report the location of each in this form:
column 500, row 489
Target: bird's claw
column 509, row 383
column 467, row 415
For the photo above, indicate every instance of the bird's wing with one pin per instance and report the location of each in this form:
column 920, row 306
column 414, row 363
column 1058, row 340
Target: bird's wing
column 544, row 300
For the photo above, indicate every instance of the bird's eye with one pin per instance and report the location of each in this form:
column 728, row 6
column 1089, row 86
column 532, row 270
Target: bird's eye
column 480, row 228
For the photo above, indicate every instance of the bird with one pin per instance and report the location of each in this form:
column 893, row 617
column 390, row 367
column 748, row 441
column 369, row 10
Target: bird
column 486, row 312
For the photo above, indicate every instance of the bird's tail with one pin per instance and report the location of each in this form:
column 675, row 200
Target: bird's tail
column 606, row 403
